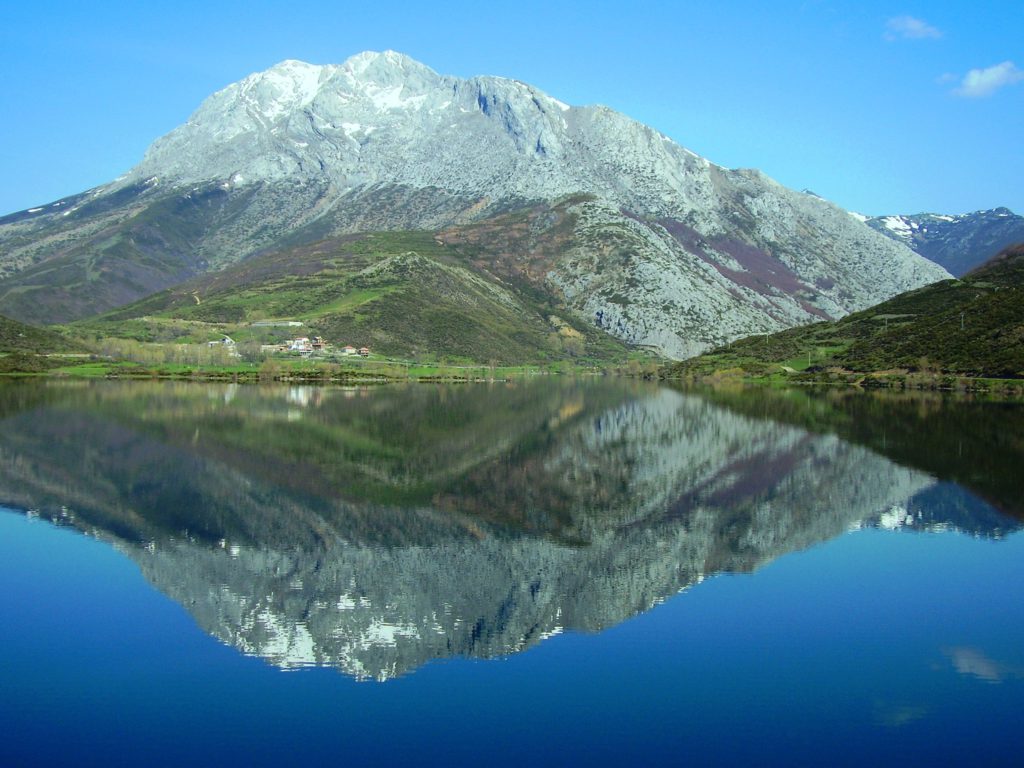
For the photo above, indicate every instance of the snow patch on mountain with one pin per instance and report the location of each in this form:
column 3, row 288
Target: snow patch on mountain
column 957, row 242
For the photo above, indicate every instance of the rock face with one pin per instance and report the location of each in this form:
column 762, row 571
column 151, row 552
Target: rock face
column 649, row 241
column 958, row 243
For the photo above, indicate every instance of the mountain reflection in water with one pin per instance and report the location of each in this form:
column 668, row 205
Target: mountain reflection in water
column 376, row 529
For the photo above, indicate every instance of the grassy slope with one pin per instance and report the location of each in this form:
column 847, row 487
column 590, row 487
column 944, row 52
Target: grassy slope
column 19, row 337
column 970, row 327
column 154, row 246
column 401, row 293
column 26, row 349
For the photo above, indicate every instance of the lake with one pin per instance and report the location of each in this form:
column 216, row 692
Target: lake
column 545, row 571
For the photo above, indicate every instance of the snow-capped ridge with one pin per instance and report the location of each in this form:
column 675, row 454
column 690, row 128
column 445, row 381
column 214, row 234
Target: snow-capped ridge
column 958, row 242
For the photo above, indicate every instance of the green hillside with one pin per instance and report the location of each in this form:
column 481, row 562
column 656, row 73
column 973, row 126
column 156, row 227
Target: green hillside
column 972, row 327
column 403, row 294
column 26, row 349
column 135, row 245
column 19, row 337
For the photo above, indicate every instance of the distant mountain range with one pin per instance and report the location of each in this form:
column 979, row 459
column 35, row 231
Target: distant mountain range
column 579, row 214
column 958, row 243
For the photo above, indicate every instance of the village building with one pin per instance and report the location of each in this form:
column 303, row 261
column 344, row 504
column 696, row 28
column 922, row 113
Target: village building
column 227, row 342
column 301, row 345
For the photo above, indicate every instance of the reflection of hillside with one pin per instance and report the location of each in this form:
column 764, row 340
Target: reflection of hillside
column 220, row 461
column 975, row 443
column 547, row 506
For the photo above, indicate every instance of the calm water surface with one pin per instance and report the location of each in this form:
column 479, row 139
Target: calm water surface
column 543, row 572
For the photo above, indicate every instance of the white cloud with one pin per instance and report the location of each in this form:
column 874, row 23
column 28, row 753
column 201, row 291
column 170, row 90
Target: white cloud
column 974, row 663
column 979, row 83
column 909, row 28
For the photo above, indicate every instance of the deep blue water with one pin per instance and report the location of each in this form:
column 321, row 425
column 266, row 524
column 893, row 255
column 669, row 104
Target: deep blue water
column 850, row 649
column 879, row 642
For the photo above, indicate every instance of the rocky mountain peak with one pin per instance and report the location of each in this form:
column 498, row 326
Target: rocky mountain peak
column 292, row 84
column 378, row 117
column 283, row 88
column 658, row 246
column 381, row 65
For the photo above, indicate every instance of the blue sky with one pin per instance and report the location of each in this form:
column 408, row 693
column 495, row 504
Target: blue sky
column 881, row 107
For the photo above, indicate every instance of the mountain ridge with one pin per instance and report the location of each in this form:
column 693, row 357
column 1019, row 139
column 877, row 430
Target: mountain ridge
column 672, row 253
column 958, row 242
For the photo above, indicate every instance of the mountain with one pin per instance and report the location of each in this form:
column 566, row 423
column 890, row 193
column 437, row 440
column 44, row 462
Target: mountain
column 612, row 221
column 958, row 243
column 971, row 327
